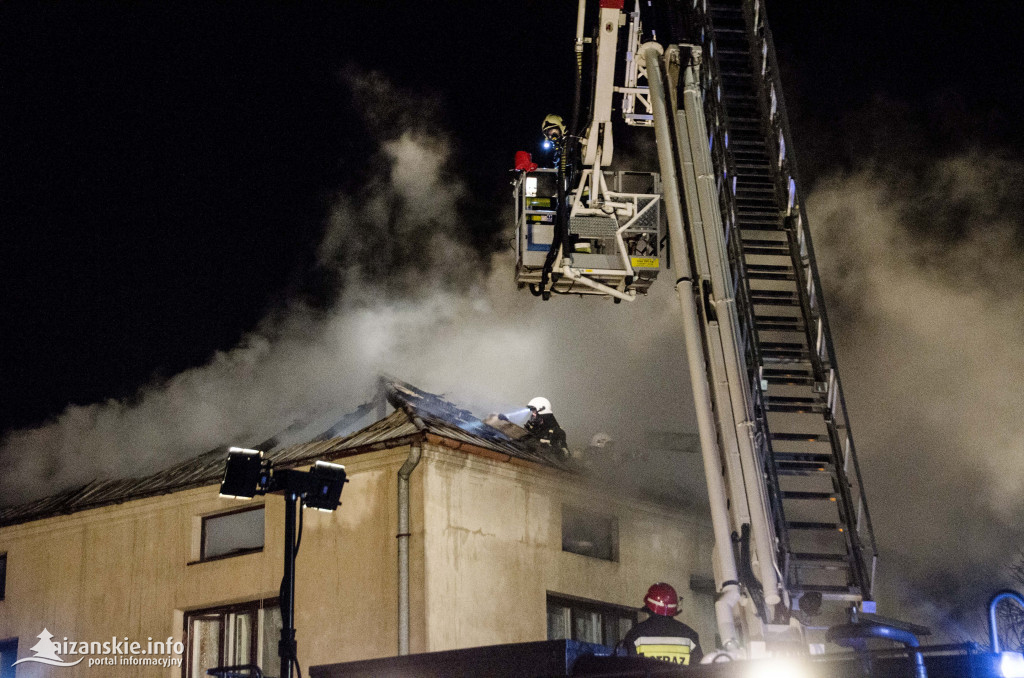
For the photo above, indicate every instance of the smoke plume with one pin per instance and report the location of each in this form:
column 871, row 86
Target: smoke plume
column 921, row 271
column 412, row 292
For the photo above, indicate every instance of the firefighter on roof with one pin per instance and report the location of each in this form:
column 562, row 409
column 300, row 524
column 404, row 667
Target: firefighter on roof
column 544, row 428
column 660, row 636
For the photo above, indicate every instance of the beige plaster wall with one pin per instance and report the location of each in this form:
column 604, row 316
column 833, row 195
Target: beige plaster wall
column 128, row 570
column 494, row 551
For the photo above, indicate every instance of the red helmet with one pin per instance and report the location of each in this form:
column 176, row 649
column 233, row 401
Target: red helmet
column 662, row 599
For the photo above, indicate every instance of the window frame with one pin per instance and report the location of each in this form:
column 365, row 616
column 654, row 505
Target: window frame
column 584, row 513
column 231, row 554
column 219, row 612
column 577, row 604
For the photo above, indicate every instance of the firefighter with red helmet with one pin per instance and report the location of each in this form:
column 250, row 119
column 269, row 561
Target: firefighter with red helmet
column 660, row 636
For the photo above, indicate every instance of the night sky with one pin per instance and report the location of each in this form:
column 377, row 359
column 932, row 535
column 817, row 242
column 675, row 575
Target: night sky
column 167, row 171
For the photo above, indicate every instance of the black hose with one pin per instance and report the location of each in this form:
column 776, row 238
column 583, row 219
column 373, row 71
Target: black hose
column 746, row 573
column 565, row 153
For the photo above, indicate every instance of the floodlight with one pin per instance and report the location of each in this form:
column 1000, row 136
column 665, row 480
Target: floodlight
column 1011, row 664
column 242, row 473
column 248, row 474
column 324, row 492
column 777, row 667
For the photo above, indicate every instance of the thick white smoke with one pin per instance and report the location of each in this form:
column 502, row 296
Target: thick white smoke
column 416, row 301
column 923, row 278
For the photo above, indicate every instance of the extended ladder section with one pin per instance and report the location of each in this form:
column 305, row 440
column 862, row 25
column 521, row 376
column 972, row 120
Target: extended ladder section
column 790, row 521
column 825, row 541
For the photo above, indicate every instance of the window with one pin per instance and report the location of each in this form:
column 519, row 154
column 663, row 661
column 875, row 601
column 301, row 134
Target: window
column 588, row 620
column 8, row 655
column 232, row 534
column 3, row 575
column 589, row 534
column 233, row 636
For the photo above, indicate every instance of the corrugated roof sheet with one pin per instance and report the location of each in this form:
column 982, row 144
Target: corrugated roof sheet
column 440, row 417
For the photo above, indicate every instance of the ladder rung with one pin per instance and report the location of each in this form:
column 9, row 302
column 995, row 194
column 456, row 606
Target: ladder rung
column 773, row 294
column 802, row 437
column 823, row 496
column 757, row 204
column 830, row 557
column 784, row 358
column 787, row 355
column 837, row 591
column 757, row 275
column 794, row 400
column 783, row 345
column 790, row 381
column 821, row 565
column 781, row 325
column 796, row 409
column 774, row 301
column 779, row 372
column 792, row 468
column 750, row 218
column 765, row 251
column 770, row 268
column 780, row 319
column 812, row 525
column 810, row 458
column 751, row 224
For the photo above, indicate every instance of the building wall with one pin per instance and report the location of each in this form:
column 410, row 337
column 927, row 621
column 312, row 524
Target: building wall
column 493, row 550
column 485, row 550
column 129, row 570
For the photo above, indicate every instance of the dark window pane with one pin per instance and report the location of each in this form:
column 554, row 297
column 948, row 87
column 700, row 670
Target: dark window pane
column 205, row 650
column 3, row 575
column 588, row 534
column 234, row 635
column 232, row 533
column 241, row 633
column 590, row 621
column 8, row 655
column 558, row 621
column 587, row 626
column 271, row 634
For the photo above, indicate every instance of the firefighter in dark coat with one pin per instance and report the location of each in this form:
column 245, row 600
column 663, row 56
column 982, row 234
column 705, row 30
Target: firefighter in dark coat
column 544, row 428
column 660, row 636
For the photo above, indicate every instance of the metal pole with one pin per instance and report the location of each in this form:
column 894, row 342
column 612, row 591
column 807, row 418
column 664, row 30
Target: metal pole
column 415, row 452
column 286, row 649
column 724, row 556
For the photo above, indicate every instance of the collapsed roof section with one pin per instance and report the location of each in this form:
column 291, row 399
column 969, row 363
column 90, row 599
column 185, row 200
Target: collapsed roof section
column 443, row 424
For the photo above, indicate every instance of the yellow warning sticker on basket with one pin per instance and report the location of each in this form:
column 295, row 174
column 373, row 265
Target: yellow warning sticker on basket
column 644, row 262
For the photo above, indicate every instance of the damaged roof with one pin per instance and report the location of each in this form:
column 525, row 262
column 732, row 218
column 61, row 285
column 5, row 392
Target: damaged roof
column 415, row 412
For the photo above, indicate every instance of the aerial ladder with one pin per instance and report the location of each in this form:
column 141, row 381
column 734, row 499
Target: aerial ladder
column 792, row 531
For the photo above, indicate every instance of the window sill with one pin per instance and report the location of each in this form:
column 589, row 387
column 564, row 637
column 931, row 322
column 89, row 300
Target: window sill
column 224, row 556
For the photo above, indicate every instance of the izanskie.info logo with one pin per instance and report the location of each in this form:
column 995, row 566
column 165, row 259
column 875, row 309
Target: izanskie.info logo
column 113, row 652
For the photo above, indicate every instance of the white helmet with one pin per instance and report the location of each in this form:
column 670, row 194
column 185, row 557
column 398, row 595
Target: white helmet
column 540, row 405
